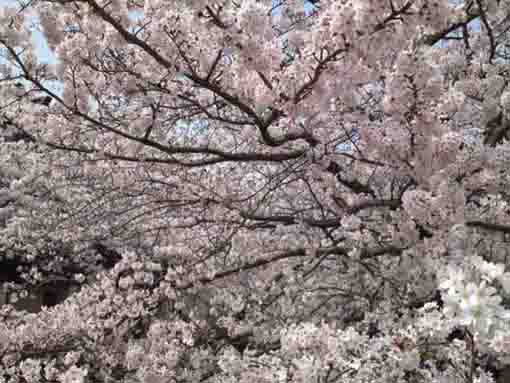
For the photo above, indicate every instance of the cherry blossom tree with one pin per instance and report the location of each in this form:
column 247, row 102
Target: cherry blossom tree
column 255, row 191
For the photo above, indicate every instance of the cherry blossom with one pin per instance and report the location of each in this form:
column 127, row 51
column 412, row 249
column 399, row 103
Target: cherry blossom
column 223, row 191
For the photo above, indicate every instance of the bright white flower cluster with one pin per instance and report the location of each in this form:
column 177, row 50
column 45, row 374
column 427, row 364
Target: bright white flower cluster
column 74, row 375
column 473, row 299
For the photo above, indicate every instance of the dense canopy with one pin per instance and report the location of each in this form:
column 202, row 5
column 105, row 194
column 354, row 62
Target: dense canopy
column 255, row 191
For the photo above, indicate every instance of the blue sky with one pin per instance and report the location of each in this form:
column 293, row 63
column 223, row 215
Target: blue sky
column 44, row 53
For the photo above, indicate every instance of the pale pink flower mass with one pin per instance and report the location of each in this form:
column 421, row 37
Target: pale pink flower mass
column 255, row 191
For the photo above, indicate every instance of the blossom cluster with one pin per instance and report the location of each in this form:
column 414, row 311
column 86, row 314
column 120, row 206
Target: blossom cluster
column 256, row 190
